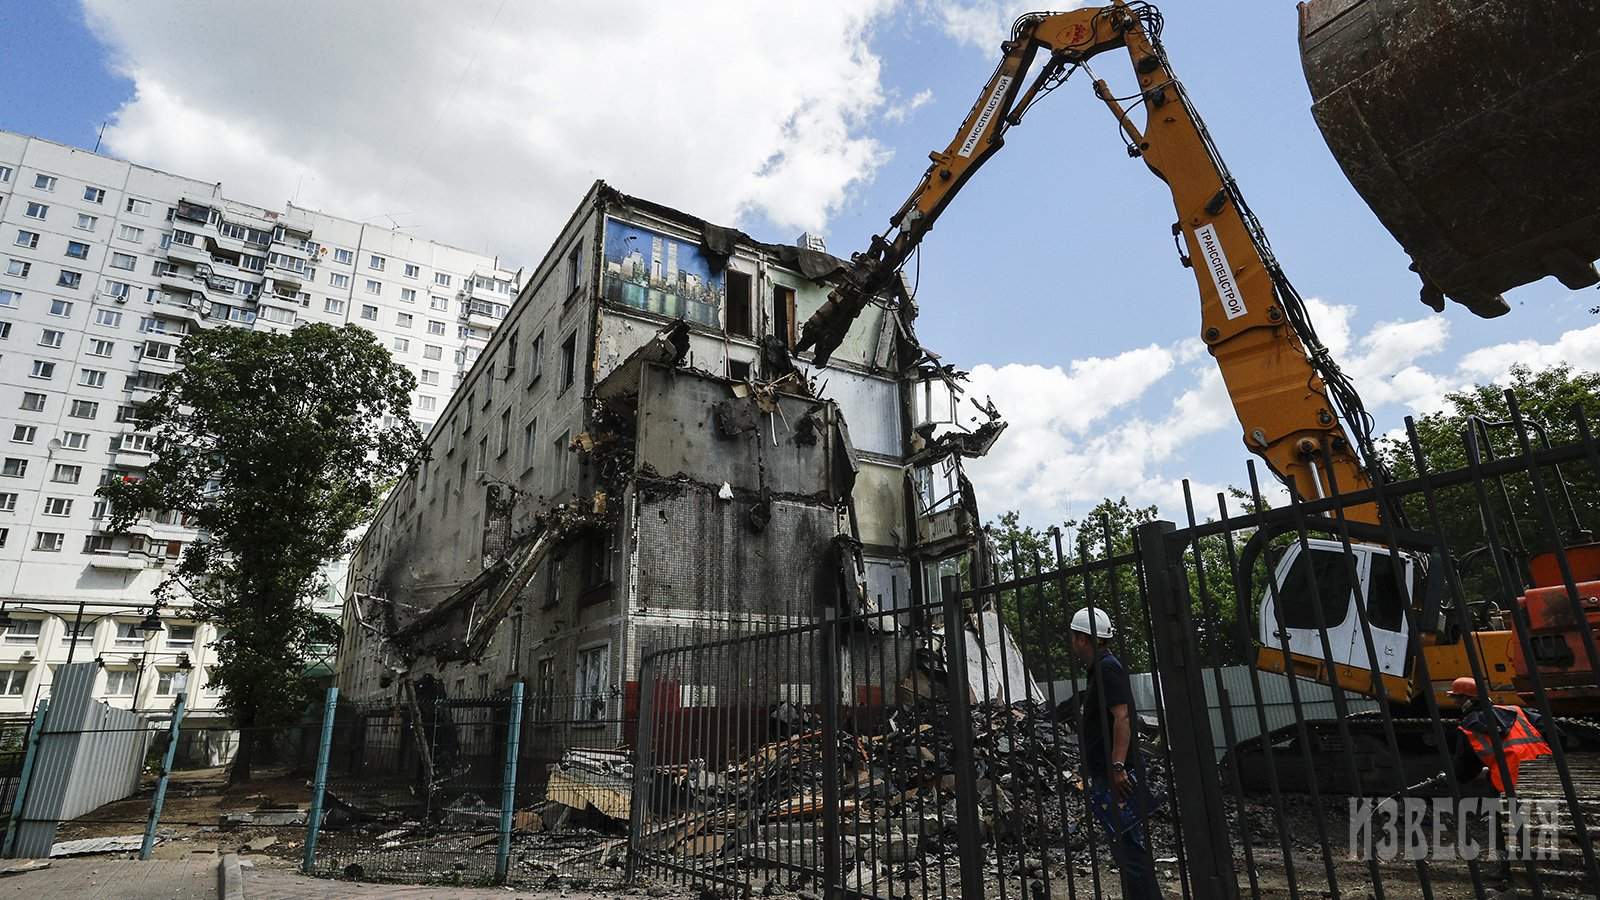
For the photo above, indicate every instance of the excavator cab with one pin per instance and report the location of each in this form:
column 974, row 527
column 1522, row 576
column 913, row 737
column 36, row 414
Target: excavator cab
column 1468, row 127
column 1317, row 591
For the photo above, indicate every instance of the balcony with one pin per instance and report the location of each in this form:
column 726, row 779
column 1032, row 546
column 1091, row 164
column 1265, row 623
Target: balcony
column 110, row 559
column 188, row 253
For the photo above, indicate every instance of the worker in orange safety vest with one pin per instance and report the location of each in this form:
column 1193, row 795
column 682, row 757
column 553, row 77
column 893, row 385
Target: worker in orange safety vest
column 1520, row 738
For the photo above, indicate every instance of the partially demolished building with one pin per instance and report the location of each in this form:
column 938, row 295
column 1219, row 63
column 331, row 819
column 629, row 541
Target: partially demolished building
column 638, row 451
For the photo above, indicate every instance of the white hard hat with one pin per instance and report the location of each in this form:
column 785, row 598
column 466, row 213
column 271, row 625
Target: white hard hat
column 1093, row 622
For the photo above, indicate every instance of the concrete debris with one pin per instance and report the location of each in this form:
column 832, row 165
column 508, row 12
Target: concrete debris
column 589, row 781
column 725, row 492
column 119, row 844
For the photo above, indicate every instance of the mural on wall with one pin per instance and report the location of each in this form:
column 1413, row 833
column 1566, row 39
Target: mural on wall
column 650, row 271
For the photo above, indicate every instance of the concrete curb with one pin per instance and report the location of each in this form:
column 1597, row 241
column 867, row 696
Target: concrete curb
column 230, row 878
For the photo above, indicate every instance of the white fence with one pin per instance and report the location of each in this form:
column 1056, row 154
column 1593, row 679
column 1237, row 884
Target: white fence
column 1316, row 701
column 89, row 754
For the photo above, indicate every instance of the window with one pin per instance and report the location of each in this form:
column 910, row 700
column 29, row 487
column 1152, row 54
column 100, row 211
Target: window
column 13, row 682
column 10, row 298
column 374, row 286
column 44, row 182
column 407, row 295
column 439, row 303
column 77, row 249
column 67, row 474
column 129, row 633
column 441, row 279
column 5, row 331
column 74, row 440
column 412, row 270
column 57, row 506
column 83, row 409
column 127, row 413
column 23, row 434
column 137, row 207
column 333, row 305
column 432, row 351
column 97, row 543
column 170, row 682
column 130, row 233
column 118, row 289
column 94, row 378
column 180, row 636
column 590, row 688
column 369, row 312
column 428, row 376
column 94, row 194
column 86, row 222
column 435, row 327
column 120, row 682
column 36, row 210
column 69, row 279
column 505, row 433
column 98, row 347
column 61, row 308
column 125, row 261
column 5, row 174
column 8, row 502
column 32, row 401
column 403, row 320
column 575, row 270
column 43, row 369
column 376, row 262
column 49, row 541
column 28, row 240
column 18, row 268
column 337, row 280
column 343, row 257
column 530, row 442
column 50, row 337
column 426, row 403
column 13, row 467
column 138, row 443
column 558, row 472
column 23, row 631
column 1334, row 590
column 401, row 345
column 569, row 360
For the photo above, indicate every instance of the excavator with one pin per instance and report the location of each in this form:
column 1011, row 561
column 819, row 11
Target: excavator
column 1397, row 120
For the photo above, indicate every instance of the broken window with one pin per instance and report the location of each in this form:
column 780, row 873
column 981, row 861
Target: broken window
column 544, row 689
column 783, row 314
column 575, row 270
column 597, row 563
column 552, row 588
column 569, row 360
column 933, row 402
column 938, row 486
column 558, row 470
column 593, row 672
column 738, row 370
column 739, row 304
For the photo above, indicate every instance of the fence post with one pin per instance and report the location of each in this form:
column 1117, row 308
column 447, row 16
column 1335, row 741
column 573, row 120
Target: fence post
column 320, row 784
column 832, row 865
column 508, row 785
column 1195, row 782
column 160, row 798
column 35, row 733
column 643, row 761
column 969, row 845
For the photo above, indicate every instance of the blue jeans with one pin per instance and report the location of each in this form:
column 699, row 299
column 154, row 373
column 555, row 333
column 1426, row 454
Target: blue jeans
column 1126, row 841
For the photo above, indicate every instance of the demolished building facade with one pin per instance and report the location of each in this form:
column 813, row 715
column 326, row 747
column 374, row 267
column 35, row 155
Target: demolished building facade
column 637, row 452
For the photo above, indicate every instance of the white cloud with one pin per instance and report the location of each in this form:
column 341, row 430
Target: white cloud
column 984, row 24
column 1102, row 427
column 900, row 111
column 483, row 123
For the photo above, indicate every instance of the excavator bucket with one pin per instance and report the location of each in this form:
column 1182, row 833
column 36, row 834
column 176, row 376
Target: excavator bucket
column 1471, row 127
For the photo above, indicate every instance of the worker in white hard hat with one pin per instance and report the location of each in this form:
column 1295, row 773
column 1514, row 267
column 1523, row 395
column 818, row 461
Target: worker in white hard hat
column 1111, row 761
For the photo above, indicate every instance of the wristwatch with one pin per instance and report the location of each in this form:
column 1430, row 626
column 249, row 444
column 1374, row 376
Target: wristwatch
column 1119, row 767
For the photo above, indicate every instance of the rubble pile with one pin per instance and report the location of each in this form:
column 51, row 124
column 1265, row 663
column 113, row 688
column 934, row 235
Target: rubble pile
column 897, row 792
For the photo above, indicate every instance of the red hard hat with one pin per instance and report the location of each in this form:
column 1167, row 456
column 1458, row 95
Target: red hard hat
column 1465, row 686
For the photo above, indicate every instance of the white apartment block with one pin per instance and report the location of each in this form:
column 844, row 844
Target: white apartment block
column 104, row 266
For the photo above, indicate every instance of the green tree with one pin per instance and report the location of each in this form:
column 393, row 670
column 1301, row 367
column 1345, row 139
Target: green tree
column 1548, row 397
column 277, row 446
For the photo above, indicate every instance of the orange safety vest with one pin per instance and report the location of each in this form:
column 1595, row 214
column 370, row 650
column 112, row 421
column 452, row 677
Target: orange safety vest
column 1521, row 741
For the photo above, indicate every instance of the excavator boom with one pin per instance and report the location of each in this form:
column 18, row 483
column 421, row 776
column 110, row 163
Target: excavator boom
column 1291, row 399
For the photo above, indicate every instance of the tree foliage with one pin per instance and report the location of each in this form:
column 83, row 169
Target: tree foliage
column 276, row 446
column 1510, row 509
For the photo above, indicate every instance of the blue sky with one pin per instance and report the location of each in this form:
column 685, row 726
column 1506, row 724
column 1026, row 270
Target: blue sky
column 1053, row 275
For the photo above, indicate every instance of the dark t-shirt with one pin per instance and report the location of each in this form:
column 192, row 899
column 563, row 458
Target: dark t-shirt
column 1107, row 673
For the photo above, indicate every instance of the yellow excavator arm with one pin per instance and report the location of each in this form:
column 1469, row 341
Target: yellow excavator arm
column 1292, row 401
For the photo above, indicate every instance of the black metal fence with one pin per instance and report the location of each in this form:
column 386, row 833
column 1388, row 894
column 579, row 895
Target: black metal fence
column 1294, row 733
